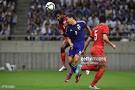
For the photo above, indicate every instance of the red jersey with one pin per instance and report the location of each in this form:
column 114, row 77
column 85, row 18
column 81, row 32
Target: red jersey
column 97, row 34
column 62, row 22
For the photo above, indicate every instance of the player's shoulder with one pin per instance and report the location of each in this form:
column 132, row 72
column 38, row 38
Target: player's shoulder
column 81, row 21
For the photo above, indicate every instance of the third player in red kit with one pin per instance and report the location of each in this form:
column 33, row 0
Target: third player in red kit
column 100, row 36
column 62, row 23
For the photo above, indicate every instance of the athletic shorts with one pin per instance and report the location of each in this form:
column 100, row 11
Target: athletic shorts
column 98, row 55
column 77, row 49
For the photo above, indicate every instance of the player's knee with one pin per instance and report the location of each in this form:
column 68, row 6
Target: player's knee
column 70, row 59
column 76, row 58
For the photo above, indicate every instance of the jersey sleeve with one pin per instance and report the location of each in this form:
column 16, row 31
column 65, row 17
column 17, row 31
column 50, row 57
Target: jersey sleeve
column 84, row 24
column 105, row 29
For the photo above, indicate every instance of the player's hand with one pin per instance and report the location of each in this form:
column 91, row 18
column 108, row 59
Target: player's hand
column 71, row 45
column 114, row 46
column 83, row 53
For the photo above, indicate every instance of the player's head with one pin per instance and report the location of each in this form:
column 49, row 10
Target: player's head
column 59, row 14
column 71, row 16
column 71, row 19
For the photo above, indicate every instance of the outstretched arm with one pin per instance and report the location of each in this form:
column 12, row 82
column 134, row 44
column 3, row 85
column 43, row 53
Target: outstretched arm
column 88, row 39
column 106, row 39
column 88, row 29
column 87, row 42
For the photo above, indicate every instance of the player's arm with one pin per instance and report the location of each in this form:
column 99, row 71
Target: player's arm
column 88, row 29
column 106, row 39
column 66, row 34
column 87, row 42
column 70, row 42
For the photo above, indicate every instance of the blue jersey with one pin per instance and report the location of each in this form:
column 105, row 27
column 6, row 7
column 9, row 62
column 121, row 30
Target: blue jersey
column 76, row 32
column 77, row 35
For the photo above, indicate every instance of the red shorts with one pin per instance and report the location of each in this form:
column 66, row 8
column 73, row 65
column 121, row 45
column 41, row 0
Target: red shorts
column 97, row 51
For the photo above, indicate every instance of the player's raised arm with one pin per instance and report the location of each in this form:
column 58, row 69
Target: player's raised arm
column 88, row 29
column 106, row 39
column 87, row 42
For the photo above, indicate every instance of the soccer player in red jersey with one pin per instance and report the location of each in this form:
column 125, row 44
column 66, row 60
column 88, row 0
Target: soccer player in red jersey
column 100, row 36
column 62, row 23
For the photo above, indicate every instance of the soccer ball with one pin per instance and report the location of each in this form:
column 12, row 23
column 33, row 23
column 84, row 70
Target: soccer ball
column 50, row 6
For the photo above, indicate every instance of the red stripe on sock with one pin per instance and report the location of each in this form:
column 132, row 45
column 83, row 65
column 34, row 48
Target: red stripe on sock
column 89, row 67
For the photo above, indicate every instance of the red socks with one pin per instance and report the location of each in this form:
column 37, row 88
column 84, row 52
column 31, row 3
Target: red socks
column 89, row 67
column 63, row 57
column 98, row 76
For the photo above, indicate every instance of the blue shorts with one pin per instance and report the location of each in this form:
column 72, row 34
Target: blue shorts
column 77, row 49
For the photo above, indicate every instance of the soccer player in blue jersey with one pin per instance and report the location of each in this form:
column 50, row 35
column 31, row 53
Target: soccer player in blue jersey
column 75, row 34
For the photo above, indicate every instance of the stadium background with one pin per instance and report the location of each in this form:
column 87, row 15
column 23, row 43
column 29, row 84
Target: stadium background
column 30, row 39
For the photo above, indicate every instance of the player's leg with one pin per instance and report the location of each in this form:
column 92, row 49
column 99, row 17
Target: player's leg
column 99, row 54
column 90, row 67
column 70, row 61
column 85, row 67
column 75, row 63
column 69, row 75
column 75, row 52
column 98, row 76
column 73, row 59
column 63, row 55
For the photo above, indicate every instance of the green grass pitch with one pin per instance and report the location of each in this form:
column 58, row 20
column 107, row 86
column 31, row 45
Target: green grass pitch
column 52, row 80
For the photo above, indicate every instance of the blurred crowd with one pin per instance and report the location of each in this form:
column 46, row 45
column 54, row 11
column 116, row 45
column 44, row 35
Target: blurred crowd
column 8, row 17
column 119, row 15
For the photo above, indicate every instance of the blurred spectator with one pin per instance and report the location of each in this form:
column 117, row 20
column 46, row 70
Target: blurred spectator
column 8, row 17
column 120, row 16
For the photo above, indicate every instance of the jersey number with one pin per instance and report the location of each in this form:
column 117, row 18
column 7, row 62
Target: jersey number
column 95, row 35
column 75, row 32
column 78, row 27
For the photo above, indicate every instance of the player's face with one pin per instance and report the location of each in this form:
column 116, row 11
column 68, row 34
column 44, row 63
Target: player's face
column 71, row 21
column 59, row 17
